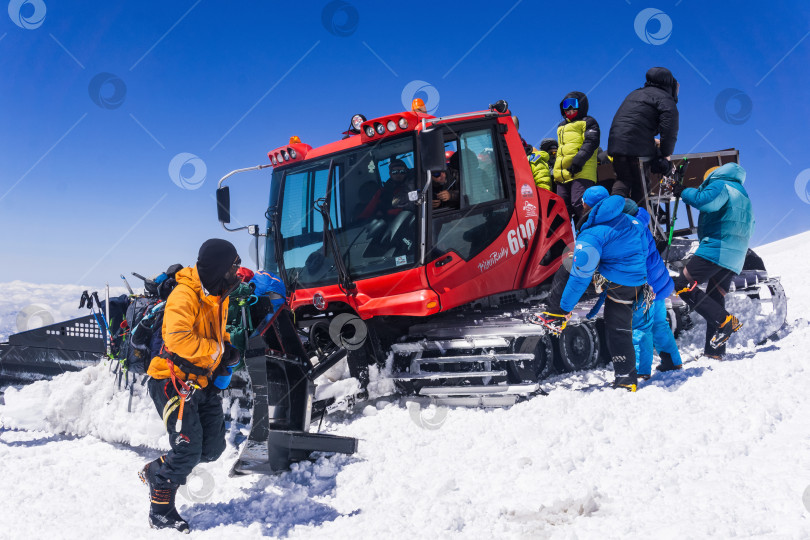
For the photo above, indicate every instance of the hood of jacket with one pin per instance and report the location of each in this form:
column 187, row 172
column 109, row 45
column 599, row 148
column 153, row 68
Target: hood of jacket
column 547, row 144
column 191, row 278
column 583, row 105
column 605, row 210
column 730, row 172
column 662, row 78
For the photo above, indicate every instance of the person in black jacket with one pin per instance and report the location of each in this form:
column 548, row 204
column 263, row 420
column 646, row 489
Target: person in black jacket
column 645, row 113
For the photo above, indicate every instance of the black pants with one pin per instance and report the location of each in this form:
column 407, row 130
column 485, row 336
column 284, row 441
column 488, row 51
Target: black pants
column 618, row 314
column 619, row 307
column 711, row 305
column 571, row 192
column 628, row 182
column 202, row 437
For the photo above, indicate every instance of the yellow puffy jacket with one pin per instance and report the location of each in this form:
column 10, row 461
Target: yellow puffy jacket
column 193, row 328
column 572, row 137
column 578, row 140
column 538, row 160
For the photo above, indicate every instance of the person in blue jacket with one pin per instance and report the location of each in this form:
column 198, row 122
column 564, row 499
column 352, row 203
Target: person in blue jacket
column 651, row 329
column 724, row 228
column 611, row 242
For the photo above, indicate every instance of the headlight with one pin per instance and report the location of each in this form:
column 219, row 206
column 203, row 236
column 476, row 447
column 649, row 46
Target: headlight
column 403, row 123
column 284, row 155
column 357, row 121
column 369, row 131
column 379, row 128
column 391, row 125
column 273, row 160
column 293, row 155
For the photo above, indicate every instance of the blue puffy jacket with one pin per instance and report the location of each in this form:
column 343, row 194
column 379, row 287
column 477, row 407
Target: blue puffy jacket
column 726, row 217
column 613, row 243
column 657, row 273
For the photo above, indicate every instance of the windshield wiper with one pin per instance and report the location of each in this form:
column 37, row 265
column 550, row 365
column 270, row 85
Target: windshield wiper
column 323, row 206
column 272, row 216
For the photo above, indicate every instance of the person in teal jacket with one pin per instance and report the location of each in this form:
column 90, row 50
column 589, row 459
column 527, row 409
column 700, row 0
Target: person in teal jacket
column 724, row 228
column 613, row 243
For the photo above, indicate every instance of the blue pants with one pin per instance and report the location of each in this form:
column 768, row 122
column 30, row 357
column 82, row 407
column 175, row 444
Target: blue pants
column 652, row 330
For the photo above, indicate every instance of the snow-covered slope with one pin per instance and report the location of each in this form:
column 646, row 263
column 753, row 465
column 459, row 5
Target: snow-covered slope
column 716, row 450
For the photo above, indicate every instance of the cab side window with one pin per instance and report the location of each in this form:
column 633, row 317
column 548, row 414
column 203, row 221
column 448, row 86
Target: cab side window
column 480, row 178
column 484, row 209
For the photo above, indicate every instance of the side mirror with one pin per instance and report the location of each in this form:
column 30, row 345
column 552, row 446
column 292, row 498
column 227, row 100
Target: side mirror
column 431, row 149
column 224, row 204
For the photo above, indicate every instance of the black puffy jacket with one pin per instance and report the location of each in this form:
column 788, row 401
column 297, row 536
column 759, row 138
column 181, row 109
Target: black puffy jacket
column 645, row 113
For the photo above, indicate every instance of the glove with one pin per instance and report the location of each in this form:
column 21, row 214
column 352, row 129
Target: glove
column 661, row 166
column 574, row 169
column 554, row 322
column 222, row 380
column 677, row 189
column 231, row 357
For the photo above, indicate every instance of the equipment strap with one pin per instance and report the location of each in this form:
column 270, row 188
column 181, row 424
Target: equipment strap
column 182, row 363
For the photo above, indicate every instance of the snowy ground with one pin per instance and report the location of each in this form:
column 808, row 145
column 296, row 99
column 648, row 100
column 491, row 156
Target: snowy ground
column 716, row 450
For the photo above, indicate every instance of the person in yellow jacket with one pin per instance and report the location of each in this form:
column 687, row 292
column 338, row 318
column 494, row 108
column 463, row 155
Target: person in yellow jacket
column 575, row 166
column 195, row 362
column 542, row 161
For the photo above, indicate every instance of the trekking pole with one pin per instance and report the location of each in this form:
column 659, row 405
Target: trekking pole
column 679, row 174
column 107, row 316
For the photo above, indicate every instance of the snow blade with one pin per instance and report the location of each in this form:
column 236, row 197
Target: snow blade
column 283, row 391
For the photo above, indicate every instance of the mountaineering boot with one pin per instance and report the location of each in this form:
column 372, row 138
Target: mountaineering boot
column 666, row 363
column 162, row 512
column 630, row 387
column 149, row 470
column 724, row 331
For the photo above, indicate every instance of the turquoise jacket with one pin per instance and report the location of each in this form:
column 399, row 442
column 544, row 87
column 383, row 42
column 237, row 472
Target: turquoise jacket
column 726, row 216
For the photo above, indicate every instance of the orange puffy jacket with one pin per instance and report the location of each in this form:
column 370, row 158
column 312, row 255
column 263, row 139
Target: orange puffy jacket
column 193, row 328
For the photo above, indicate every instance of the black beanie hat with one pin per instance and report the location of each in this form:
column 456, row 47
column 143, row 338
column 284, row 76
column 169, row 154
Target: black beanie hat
column 215, row 258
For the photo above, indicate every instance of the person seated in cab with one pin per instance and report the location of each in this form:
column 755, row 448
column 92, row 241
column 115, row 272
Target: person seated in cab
column 445, row 190
column 392, row 197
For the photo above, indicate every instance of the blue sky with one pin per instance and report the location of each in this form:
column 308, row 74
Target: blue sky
column 85, row 189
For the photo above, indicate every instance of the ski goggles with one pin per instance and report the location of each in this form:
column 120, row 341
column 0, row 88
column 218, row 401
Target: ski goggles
column 436, row 174
column 398, row 171
column 570, row 103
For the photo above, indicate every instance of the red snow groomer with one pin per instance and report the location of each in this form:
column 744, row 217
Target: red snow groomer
column 383, row 268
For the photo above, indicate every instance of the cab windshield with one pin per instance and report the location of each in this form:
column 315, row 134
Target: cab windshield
column 372, row 212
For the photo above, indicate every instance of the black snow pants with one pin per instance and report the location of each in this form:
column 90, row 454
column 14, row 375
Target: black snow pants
column 202, row 437
column 711, row 305
column 628, row 182
column 571, row 192
column 618, row 314
column 619, row 306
